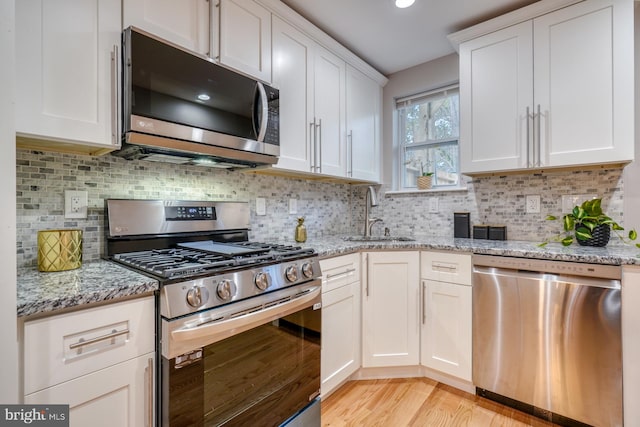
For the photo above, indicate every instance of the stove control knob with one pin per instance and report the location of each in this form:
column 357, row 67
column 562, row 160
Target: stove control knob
column 226, row 289
column 197, row 296
column 262, row 280
column 291, row 273
column 307, row 270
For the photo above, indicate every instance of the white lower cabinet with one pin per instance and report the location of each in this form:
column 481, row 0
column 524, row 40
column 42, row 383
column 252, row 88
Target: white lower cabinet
column 446, row 313
column 99, row 361
column 340, row 320
column 391, row 327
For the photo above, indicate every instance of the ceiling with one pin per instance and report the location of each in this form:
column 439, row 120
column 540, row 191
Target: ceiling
column 392, row 39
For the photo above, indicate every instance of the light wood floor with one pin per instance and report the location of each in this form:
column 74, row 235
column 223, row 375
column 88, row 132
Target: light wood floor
column 416, row 402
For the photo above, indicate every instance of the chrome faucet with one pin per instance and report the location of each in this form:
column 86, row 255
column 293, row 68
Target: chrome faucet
column 370, row 200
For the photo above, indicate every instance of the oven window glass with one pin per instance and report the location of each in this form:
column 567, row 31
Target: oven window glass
column 260, row 377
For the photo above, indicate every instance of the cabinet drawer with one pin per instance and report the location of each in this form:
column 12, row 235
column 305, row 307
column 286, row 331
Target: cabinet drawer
column 70, row 345
column 446, row 267
column 340, row 271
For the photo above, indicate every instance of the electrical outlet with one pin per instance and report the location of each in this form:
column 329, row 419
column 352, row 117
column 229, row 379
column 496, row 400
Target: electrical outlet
column 293, row 206
column 433, row 205
column 261, row 206
column 533, row 203
column 569, row 201
column 75, row 204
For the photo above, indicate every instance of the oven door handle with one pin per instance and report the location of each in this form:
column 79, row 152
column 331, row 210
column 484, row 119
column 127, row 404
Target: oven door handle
column 218, row 330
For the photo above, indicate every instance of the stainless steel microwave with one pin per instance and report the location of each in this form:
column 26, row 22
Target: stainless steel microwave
column 181, row 107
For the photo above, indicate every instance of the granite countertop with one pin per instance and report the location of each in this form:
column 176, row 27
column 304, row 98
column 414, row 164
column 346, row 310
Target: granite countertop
column 613, row 254
column 98, row 281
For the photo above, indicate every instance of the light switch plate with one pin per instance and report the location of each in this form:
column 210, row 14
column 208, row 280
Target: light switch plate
column 261, row 206
column 293, row 206
column 433, row 205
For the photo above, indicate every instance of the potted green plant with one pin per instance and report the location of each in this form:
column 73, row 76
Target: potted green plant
column 589, row 226
column 424, row 180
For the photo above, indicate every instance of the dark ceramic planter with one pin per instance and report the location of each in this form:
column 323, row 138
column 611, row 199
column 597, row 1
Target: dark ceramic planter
column 600, row 236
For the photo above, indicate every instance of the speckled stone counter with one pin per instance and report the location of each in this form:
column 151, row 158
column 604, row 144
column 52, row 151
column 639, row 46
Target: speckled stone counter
column 98, row 281
column 614, row 254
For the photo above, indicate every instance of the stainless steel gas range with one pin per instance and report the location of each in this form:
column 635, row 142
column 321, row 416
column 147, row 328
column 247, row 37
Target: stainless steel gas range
column 238, row 321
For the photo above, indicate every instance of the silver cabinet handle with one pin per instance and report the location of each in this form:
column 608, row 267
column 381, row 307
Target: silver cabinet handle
column 350, row 151
column 342, row 273
column 320, row 145
column 539, row 162
column 82, row 342
column 115, row 96
column 149, row 373
column 423, row 295
column 528, row 139
column 366, row 260
column 312, row 144
column 443, row 267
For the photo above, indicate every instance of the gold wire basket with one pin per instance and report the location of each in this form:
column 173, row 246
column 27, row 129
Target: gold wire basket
column 59, row 250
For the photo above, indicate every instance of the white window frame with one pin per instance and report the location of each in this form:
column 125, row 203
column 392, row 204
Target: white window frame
column 401, row 147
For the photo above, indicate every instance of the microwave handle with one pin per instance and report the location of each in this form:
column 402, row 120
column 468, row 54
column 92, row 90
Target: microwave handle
column 263, row 121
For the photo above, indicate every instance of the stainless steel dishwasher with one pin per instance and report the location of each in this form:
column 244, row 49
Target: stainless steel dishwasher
column 547, row 336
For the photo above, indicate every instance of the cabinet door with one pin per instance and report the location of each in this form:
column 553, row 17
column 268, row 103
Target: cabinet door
column 67, row 57
column 185, row 23
column 245, row 37
column 340, row 335
column 292, row 74
column 329, row 112
column 121, row 395
column 446, row 328
column 496, row 75
column 583, row 61
column 363, row 126
column 391, row 325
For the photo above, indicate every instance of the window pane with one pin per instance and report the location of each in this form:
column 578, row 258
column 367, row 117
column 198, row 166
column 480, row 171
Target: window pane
column 432, row 120
column 439, row 159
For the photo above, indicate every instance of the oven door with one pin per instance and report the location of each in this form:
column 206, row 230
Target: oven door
column 264, row 374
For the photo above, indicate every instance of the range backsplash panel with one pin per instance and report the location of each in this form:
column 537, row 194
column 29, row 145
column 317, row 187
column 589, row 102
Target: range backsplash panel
column 42, row 178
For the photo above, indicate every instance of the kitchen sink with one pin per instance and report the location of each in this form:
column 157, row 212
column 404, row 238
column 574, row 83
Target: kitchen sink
column 378, row 239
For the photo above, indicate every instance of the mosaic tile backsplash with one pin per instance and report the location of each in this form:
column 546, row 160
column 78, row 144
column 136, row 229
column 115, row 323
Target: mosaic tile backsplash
column 329, row 208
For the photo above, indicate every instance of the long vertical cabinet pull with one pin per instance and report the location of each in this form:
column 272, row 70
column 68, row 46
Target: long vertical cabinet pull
column 115, row 96
column 528, row 138
column 312, row 144
column 319, row 167
column 350, row 153
column 366, row 261
column 423, row 295
column 149, row 374
column 539, row 142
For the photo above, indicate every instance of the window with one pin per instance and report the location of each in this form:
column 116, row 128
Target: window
column 428, row 132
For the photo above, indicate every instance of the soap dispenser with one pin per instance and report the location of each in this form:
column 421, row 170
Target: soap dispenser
column 301, row 231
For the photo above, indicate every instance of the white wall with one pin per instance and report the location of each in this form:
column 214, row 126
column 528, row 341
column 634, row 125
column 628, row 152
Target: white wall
column 430, row 75
column 632, row 171
column 8, row 330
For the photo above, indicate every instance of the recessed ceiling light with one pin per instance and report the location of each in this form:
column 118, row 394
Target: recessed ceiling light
column 404, row 3
column 204, row 97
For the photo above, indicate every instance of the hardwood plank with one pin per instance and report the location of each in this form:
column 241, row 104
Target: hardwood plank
column 416, row 402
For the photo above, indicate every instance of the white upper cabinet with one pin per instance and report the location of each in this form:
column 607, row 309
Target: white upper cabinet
column 67, row 72
column 245, row 37
column 187, row 23
column 329, row 113
column 312, row 103
column 363, row 126
column 292, row 74
column 237, row 33
column 552, row 91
